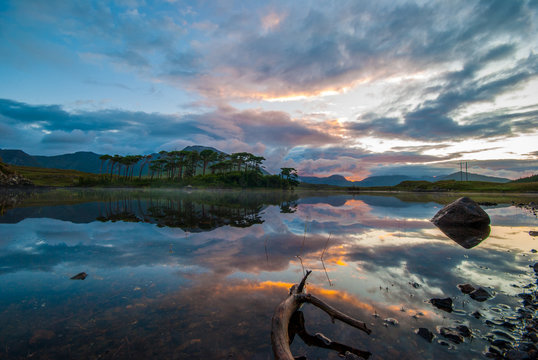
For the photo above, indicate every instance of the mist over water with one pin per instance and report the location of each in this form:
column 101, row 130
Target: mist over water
column 175, row 274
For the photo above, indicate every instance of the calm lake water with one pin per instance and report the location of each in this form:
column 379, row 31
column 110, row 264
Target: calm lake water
column 176, row 275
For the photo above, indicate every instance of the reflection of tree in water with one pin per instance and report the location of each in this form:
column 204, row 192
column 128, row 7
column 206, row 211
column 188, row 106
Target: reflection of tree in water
column 195, row 211
column 288, row 207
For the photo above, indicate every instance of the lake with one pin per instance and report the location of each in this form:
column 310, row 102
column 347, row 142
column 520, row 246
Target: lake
column 174, row 274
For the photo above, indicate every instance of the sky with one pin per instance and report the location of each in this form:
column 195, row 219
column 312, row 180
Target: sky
column 356, row 88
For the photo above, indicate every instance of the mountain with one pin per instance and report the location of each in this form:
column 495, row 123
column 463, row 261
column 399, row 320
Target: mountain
column 201, row 148
column 392, row 180
column 389, row 180
column 83, row 161
column 472, row 177
column 18, row 157
column 372, row 181
column 336, row 180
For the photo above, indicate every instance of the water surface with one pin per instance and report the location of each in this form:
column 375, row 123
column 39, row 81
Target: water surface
column 179, row 275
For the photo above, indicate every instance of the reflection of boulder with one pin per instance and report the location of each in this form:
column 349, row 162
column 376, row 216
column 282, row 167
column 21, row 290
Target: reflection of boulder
column 463, row 211
column 466, row 236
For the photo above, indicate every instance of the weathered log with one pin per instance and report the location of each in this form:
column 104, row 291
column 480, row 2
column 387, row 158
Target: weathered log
column 280, row 334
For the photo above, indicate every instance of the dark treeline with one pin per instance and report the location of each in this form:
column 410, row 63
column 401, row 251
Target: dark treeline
column 205, row 168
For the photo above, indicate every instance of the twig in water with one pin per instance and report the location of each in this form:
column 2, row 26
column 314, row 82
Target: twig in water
column 301, row 260
column 326, row 273
column 323, row 263
column 325, row 249
column 304, row 235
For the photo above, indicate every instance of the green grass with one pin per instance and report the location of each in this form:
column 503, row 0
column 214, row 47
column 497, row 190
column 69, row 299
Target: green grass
column 53, row 177
column 459, row 186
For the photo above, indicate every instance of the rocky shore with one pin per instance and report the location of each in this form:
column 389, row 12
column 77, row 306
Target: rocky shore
column 9, row 178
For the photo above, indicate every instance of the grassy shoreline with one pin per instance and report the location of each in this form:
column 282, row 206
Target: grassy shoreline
column 45, row 177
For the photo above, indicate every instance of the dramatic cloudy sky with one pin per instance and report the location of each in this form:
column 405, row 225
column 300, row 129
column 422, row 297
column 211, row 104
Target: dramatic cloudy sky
column 349, row 87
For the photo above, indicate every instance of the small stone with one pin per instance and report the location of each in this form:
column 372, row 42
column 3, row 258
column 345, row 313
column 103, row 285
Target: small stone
column 502, row 344
column 452, row 335
column 425, row 334
column 443, row 304
column 533, row 233
column 477, row 314
column 466, row 288
column 391, row 321
column 80, row 276
column 480, row 295
column 464, row 330
column 516, row 355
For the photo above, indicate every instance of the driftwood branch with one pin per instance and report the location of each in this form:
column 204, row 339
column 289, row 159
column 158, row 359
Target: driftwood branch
column 284, row 329
column 297, row 326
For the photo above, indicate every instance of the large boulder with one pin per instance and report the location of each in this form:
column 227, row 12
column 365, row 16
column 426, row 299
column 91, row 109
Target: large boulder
column 463, row 211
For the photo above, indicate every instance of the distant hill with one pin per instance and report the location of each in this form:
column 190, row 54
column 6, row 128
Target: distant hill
column 528, row 179
column 336, row 180
column 392, row 180
column 372, row 181
column 200, row 148
column 18, row 157
column 389, row 180
column 82, row 160
column 472, row 177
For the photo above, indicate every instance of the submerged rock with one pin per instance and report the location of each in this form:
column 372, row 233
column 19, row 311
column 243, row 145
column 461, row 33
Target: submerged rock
column 466, row 288
column 480, row 294
column 452, row 335
column 80, row 276
column 463, row 211
column 477, row 314
column 443, row 304
column 425, row 334
column 391, row 321
column 464, row 330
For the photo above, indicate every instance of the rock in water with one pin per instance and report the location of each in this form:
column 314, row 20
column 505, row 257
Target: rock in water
column 80, row 276
column 425, row 333
column 464, row 330
column 466, row 288
column 452, row 335
column 443, row 304
column 463, row 211
column 480, row 294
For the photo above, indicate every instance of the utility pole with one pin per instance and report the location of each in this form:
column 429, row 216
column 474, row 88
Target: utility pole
column 461, row 171
column 466, row 172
